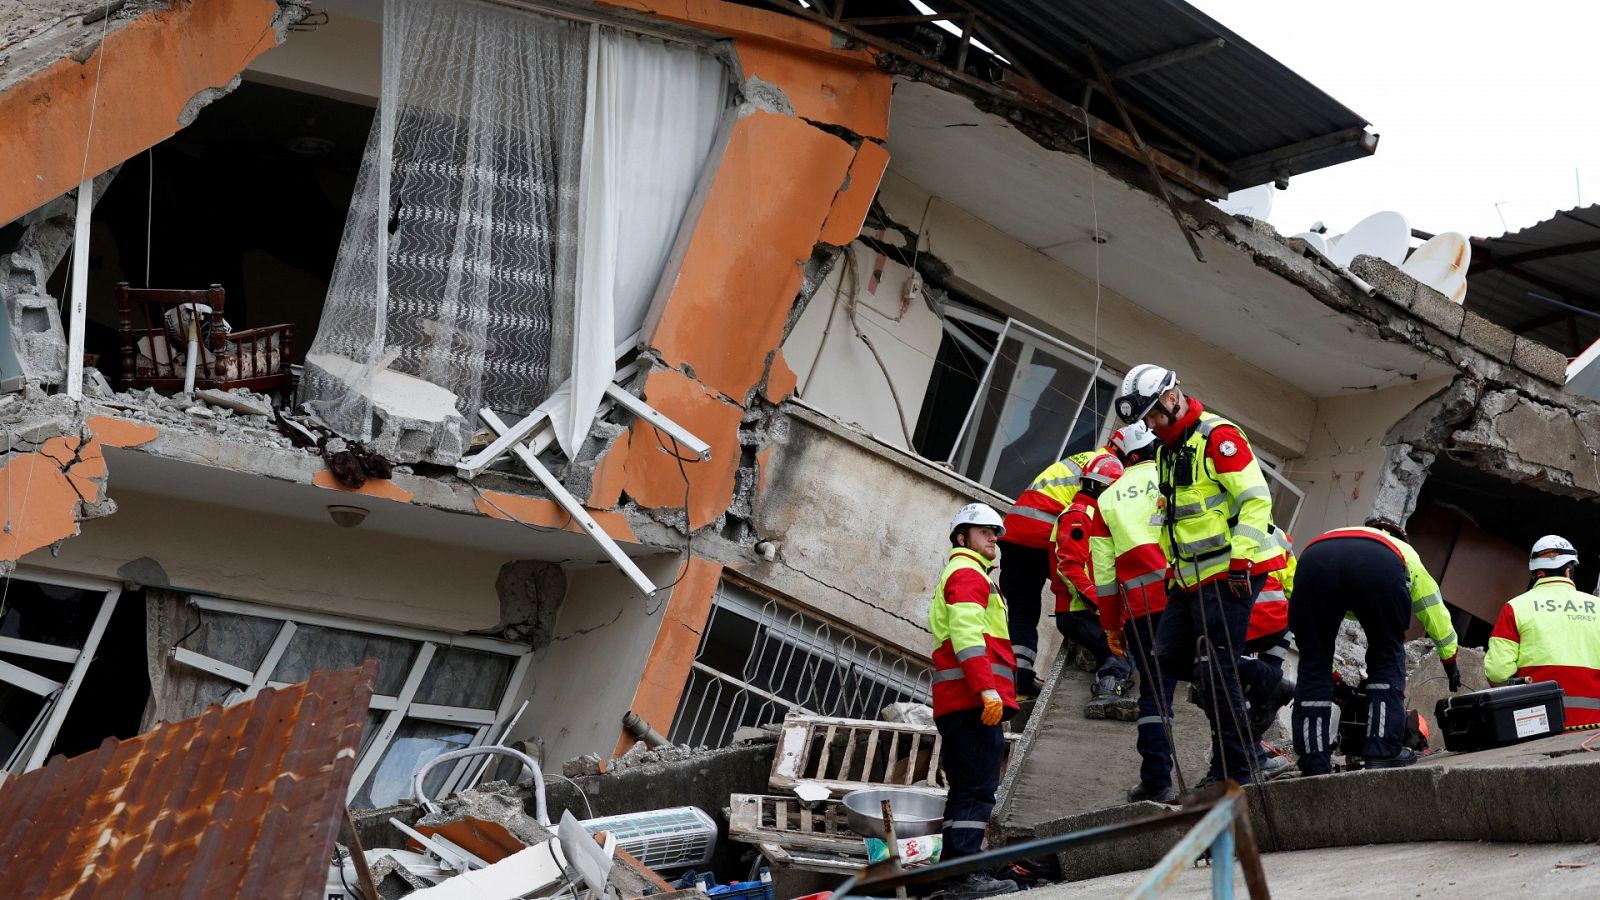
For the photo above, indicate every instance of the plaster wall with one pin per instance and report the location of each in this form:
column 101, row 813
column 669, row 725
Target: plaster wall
column 838, row 373
column 860, row 528
column 1023, row 282
column 1347, row 458
column 291, row 563
column 342, row 59
column 586, row 678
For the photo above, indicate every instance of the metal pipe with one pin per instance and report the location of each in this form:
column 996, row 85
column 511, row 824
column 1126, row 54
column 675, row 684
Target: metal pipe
column 641, row 729
column 540, row 810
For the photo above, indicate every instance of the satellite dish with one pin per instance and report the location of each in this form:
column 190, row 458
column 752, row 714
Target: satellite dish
column 1255, row 202
column 1386, row 235
column 1315, row 241
column 1441, row 263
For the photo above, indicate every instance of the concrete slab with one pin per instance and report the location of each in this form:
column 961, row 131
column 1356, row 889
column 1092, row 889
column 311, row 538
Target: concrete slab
column 1433, row 869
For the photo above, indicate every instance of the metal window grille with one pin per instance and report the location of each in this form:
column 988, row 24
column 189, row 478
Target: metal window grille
column 759, row 659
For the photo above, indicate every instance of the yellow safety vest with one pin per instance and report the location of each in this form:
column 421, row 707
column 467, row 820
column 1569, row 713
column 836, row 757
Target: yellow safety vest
column 1556, row 624
column 964, row 625
column 1059, row 482
column 1217, row 516
column 1131, row 511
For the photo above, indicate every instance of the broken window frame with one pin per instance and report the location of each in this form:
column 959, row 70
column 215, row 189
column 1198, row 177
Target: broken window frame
column 788, row 634
column 37, row 742
column 396, row 709
column 1031, row 338
column 1276, row 480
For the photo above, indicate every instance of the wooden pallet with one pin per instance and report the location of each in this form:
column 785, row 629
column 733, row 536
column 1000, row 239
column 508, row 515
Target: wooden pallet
column 790, row 834
column 845, row 755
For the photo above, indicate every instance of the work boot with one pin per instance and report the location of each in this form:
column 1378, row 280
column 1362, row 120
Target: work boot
column 1274, row 765
column 1027, row 685
column 1124, row 705
column 1145, row 790
column 977, row 884
column 1083, row 658
column 1262, row 715
column 1102, row 697
column 1407, row 757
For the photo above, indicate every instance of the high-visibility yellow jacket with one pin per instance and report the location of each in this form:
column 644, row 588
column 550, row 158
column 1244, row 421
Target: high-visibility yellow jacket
column 1220, row 508
column 972, row 644
column 1044, row 500
column 1551, row 633
column 1426, row 602
column 1130, row 567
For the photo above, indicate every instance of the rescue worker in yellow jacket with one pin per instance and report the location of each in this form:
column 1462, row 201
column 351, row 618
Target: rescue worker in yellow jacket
column 1373, row 573
column 972, row 687
column 1551, row 633
column 1216, row 515
column 1027, row 554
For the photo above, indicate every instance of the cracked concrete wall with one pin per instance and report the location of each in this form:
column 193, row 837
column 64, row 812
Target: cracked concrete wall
column 155, row 61
column 597, row 659
column 1355, row 466
column 52, row 476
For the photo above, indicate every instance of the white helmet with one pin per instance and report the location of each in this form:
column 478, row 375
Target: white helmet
column 977, row 514
column 1141, row 389
column 1566, row 554
column 1131, row 439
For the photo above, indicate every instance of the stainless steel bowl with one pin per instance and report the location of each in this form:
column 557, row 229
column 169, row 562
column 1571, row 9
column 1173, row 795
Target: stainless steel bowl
column 916, row 813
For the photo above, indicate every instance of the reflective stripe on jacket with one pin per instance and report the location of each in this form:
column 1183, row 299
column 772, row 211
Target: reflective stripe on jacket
column 1044, row 500
column 1551, row 633
column 1129, row 565
column 1217, row 517
column 1426, row 601
column 972, row 652
column 1071, row 557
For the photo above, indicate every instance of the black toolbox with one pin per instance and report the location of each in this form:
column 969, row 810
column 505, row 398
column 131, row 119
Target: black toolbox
column 1501, row 716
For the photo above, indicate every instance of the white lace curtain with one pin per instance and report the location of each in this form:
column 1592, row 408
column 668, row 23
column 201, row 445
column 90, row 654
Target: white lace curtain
column 511, row 152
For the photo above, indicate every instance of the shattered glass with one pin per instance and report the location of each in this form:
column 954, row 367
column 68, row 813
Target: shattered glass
column 414, row 744
column 329, row 649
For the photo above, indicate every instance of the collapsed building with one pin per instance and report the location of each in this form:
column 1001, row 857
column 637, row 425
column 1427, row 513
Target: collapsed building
column 754, row 296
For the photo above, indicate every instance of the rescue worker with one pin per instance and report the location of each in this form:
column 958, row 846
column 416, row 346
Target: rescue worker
column 1214, row 531
column 1551, row 633
column 1026, row 551
column 1267, row 640
column 1373, row 573
column 1076, row 615
column 972, row 687
column 1130, row 588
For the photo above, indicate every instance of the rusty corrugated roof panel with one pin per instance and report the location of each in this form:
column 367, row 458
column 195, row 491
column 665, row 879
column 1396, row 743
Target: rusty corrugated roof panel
column 243, row 801
column 1542, row 282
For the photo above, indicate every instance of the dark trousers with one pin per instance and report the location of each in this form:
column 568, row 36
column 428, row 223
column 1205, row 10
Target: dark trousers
column 1156, row 687
column 1261, row 671
column 1084, row 628
column 1203, row 631
column 972, row 755
column 1023, row 572
column 1368, row 579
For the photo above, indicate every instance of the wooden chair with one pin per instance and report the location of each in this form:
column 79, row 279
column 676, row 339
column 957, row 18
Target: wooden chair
column 256, row 358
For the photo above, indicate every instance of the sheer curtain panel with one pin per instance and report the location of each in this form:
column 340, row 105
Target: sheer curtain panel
column 457, row 263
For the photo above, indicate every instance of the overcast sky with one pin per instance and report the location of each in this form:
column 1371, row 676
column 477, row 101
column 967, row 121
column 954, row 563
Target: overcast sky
column 1476, row 103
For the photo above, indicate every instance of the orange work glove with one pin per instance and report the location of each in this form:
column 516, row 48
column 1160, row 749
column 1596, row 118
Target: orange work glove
column 993, row 709
column 1115, row 642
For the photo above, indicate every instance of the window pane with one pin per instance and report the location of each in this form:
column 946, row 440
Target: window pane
column 329, row 649
column 47, row 613
column 414, row 744
column 237, row 640
column 1025, row 412
column 1086, row 434
column 459, row 677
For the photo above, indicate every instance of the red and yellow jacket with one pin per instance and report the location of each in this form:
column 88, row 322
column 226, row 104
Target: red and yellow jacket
column 972, row 651
column 1071, row 560
column 1130, row 568
column 1034, row 514
column 1551, row 633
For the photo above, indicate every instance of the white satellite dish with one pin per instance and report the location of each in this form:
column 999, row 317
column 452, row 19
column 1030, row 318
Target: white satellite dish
column 1441, row 263
column 1315, row 241
column 1386, row 235
column 1255, row 202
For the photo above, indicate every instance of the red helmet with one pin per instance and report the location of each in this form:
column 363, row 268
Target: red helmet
column 1103, row 469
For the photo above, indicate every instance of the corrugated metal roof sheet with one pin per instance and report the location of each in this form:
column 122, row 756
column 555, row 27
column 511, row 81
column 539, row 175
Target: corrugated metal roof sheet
column 1238, row 104
column 243, row 801
column 1525, row 280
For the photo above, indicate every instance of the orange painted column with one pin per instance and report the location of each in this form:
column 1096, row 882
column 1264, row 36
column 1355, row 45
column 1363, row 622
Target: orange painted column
column 138, row 81
column 671, row 657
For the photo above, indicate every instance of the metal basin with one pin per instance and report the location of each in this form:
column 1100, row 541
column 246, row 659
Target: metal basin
column 916, row 813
